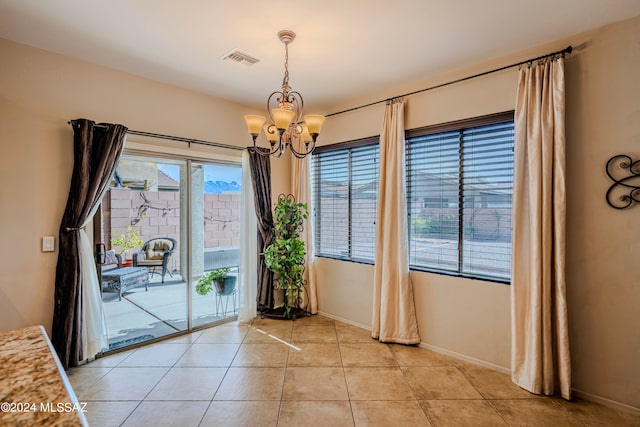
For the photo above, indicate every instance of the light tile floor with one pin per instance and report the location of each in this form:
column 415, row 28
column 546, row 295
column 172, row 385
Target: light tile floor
column 310, row 372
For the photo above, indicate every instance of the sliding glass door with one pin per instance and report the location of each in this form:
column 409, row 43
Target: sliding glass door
column 215, row 241
column 165, row 224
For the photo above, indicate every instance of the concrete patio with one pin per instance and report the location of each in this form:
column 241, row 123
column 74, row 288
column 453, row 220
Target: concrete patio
column 162, row 310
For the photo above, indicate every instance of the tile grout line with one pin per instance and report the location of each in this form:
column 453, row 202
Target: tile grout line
column 566, row 410
column 143, row 399
column 225, row 374
column 231, row 363
column 490, row 403
column 424, row 411
column 110, row 370
column 284, row 377
column 189, row 346
column 344, row 374
column 484, row 398
column 408, row 384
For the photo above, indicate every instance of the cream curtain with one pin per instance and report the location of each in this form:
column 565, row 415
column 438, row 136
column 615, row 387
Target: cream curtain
column 300, row 188
column 394, row 314
column 94, row 323
column 539, row 333
column 248, row 283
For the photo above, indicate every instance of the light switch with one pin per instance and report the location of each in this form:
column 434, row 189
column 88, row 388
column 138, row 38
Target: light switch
column 48, row 244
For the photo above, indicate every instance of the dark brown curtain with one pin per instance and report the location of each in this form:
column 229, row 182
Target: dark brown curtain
column 97, row 149
column 261, row 179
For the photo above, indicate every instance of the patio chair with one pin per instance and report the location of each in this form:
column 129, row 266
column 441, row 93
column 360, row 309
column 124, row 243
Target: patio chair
column 111, row 261
column 156, row 253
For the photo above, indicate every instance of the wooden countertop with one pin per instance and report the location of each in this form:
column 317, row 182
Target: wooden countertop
column 34, row 389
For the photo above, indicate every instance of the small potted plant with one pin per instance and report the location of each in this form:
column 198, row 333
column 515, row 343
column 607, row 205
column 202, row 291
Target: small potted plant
column 218, row 278
column 127, row 241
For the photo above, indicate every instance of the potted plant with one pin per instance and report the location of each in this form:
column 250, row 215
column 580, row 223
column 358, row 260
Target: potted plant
column 127, row 241
column 218, row 278
column 285, row 255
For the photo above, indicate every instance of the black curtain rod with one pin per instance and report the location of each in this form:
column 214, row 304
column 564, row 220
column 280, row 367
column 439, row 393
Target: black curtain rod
column 562, row 52
column 187, row 140
column 174, row 138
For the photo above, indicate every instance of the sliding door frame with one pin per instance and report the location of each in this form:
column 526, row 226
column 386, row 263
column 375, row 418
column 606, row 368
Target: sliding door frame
column 97, row 237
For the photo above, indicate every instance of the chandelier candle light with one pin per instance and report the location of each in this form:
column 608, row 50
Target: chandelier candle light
column 287, row 129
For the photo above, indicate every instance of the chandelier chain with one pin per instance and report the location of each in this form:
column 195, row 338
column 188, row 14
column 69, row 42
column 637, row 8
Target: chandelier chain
column 285, row 80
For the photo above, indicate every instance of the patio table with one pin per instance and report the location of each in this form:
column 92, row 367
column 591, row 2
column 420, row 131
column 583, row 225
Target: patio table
column 121, row 280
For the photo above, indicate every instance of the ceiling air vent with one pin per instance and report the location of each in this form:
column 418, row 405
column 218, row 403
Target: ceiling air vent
column 236, row 55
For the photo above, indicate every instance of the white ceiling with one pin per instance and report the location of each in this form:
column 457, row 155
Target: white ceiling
column 344, row 50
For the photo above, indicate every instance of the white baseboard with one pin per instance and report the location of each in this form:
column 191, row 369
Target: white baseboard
column 605, row 402
column 466, row 358
column 578, row 393
column 428, row 346
column 350, row 322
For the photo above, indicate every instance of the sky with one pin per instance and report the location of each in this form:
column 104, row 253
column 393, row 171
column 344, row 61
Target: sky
column 212, row 172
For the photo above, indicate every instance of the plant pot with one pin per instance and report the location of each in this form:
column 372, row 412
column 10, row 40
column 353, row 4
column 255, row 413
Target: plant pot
column 279, row 313
column 127, row 263
column 226, row 286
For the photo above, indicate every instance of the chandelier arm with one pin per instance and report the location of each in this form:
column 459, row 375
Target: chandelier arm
column 296, row 154
column 264, row 153
column 299, row 102
column 279, row 149
column 261, row 152
column 269, row 102
column 302, row 155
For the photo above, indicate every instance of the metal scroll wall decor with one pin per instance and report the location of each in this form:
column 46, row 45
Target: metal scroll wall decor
column 625, row 174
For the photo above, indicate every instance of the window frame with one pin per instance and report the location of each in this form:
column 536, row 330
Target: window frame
column 458, row 126
column 348, row 146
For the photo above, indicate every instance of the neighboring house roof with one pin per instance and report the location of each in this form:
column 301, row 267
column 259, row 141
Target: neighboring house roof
column 424, row 182
column 166, row 183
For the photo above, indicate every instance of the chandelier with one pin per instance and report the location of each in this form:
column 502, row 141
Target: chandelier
column 287, row 129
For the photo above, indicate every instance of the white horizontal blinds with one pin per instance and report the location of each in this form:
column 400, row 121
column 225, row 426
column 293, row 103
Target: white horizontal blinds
column 460, row 185
column 331, row 203
column 433, row 186
column 364, row 194
column 345, row 189
column 487, row 188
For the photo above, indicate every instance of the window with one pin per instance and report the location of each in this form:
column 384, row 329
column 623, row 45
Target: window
column 345, row 184
column 460, row 183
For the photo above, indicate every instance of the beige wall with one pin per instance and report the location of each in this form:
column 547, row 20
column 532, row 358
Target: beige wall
column 471, row 318
column 459, row 316
column 39, row 92
column 603, row 246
